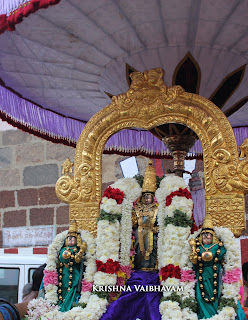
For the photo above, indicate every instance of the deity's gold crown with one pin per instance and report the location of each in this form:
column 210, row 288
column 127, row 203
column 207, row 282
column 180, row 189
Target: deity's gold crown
column 149, row 183
column 208, row 224
column 73, row 228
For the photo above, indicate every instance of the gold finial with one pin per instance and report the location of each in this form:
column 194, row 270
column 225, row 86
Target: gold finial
column 67, row 166
column 208, row 224
column 73, row 228
column 244, row 149
column 149, row 183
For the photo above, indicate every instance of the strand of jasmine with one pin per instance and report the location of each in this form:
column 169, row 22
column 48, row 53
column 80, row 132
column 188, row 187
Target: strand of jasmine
column 126, row 232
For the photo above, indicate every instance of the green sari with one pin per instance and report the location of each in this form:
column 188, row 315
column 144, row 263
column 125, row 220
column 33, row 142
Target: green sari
column 208, row 309
column 70, row 297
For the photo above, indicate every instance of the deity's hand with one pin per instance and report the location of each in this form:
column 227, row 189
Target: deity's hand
column 193, row 258
column 79, row 255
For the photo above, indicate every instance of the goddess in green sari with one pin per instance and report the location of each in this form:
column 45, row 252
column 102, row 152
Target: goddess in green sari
column 70, row 268
column 207, row 255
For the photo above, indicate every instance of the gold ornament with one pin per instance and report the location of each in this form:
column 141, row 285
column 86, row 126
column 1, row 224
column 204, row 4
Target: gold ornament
column 67, row 166
column 66, row 254
column 73, row 229
column 149, row 183
column 208, row 224
column 207, row 255
column 149, row 103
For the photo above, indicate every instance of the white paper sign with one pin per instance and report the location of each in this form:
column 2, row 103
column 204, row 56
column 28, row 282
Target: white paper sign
column 28, row 236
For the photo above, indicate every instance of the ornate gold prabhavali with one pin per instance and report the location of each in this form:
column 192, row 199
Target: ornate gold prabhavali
column 149, row 103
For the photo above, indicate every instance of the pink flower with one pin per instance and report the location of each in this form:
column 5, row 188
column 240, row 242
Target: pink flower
column 232, row 276
column 126, row 269
column 120, row 281
column 86, row 286
column 187, row 275
column 50, row 277
column 132, row 252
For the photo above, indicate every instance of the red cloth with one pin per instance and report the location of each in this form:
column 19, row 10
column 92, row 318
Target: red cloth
column 24, row 10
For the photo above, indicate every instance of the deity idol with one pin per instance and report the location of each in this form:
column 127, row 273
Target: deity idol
column 207, row 256
column 144, row 221
column 71, row 267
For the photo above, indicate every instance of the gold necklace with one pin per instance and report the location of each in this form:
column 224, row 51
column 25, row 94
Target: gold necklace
column 207, row 255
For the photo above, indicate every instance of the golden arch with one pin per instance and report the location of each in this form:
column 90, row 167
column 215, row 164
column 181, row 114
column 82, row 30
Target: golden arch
column 148, row 103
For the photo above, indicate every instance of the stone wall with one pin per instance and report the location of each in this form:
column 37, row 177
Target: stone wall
column 29, row 169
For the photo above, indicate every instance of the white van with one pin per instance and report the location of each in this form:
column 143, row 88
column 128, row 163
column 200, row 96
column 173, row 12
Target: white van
column 16, row 271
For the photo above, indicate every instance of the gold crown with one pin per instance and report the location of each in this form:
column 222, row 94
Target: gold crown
column 149, row 183
column 208, row 224
column 73, row 228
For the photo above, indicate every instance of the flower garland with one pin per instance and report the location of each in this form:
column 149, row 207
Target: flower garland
column 47, row 308
column 112, row 264
column 175, row 208
column 114, row 231
column 174, row 253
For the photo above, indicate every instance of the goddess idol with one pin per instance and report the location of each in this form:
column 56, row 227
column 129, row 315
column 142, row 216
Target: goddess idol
column 71, row 268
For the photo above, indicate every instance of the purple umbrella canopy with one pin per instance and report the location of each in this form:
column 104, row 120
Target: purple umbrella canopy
column 61, row 61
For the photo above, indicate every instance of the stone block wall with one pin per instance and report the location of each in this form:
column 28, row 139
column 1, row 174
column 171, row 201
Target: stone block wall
column 29, row 169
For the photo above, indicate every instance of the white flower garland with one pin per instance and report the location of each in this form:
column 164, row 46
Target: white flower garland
column 109, row 233
column 175, row 250
column 132, row 191
column 171, row 246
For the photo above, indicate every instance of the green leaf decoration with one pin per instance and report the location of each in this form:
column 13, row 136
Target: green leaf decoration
column 227, row 302
column 190, row 303
column 109, row 216
column 179, row 219
column 102, row 294
column 139, row 179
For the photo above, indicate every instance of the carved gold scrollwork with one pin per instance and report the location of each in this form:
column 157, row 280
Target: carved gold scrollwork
column 65, row 189
column 83, row 180
column 244, row 149
column 242, row 168
column 221, row 156
column 86, row 215
column 78, row 189
column 149, row 103
column 227, row 211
